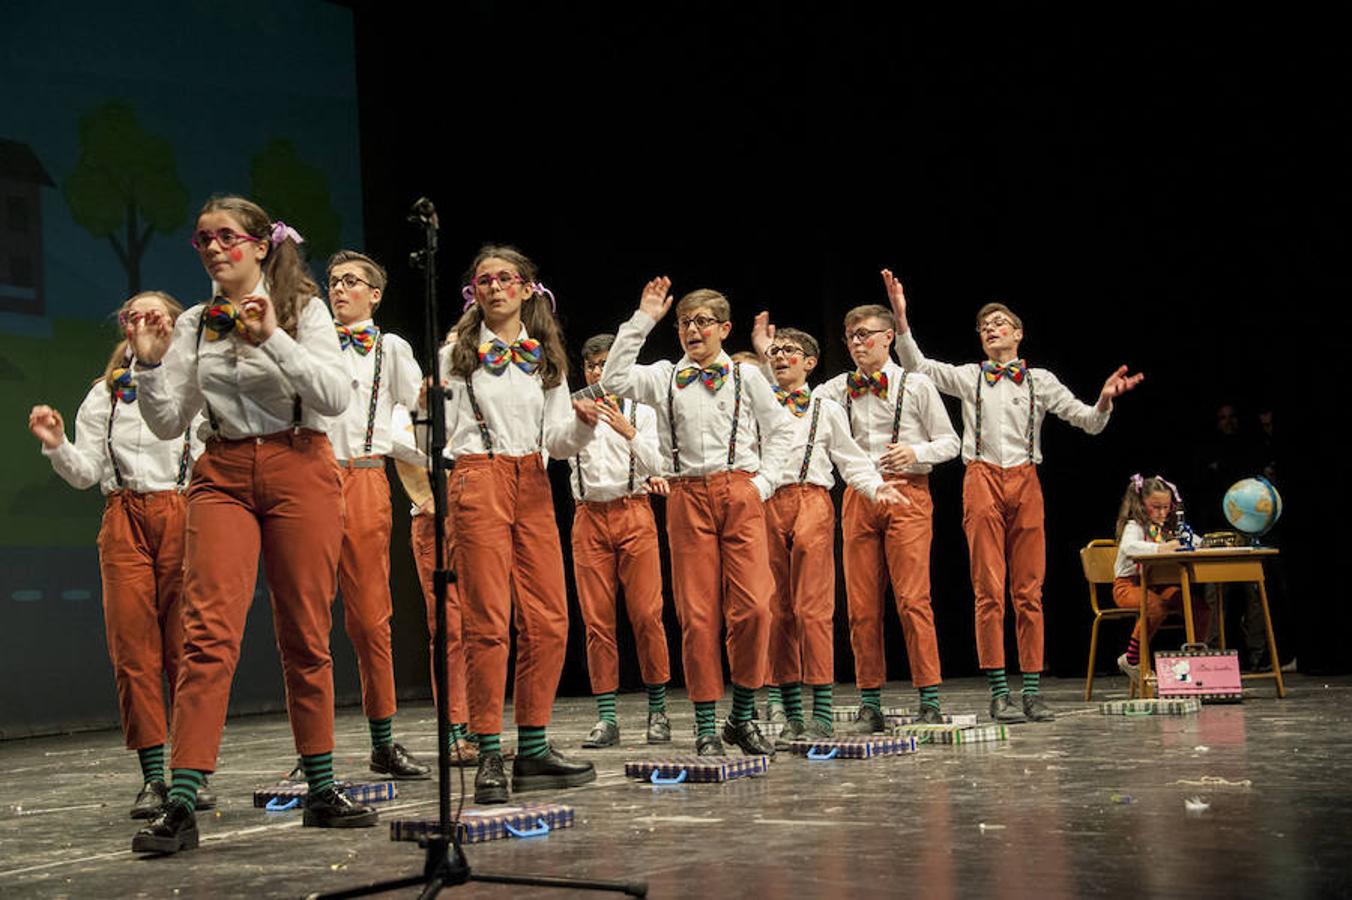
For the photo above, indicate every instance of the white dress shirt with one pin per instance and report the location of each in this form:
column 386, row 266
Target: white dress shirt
column 145, row 462
column 518, row 412
column 249, row 390
column 600, row 470
column 831, row 444
column 1134, row 543
column 925, row 426
column 1004, row 406
column 704, row 427
column 400, row 380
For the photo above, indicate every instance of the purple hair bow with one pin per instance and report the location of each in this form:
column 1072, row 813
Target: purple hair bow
column 467, row 293
column 281, row 231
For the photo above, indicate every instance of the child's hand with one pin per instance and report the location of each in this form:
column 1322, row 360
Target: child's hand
column 612, row 415
column 1170, row 546
column 1117, row 384
column 762, row 335
column 259, row 318
column 656, row 298
column 897, row 457
column 890, row 495
column 149, row 337
column 587, row 411
column 47, row 426
column 659, row 486
column 897, row 297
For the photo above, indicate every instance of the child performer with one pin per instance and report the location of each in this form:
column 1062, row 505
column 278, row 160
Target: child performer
column 140, row 542
column 801, row 522
column 709, row 409
column 506, row 404
column 899, row 420
column 1001, row 495
column 614, row 535
column 263, row 361
column 383, row 373
column 1143, row 526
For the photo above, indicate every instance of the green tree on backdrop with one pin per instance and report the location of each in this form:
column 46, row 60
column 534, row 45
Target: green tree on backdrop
column 125, row 186
column 298, row 193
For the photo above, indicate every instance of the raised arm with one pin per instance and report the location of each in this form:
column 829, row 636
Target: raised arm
column 1060, row 402
column 166, row 372
column 81, row 464
column 622, row 375
column 313, row 360
column 944, row 375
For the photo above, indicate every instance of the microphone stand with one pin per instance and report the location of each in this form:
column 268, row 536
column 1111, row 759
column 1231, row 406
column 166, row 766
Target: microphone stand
column 445, row 864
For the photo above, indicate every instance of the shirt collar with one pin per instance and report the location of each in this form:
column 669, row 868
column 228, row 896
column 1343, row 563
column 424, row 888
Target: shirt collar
column 721, row 358
column 486, row 334
column 260, row 289
column 356, row 325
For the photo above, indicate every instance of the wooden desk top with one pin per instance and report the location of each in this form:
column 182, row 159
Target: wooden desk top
column 1208, row 554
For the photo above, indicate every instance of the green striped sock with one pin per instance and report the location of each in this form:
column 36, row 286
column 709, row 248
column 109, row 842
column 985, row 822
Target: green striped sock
column 871, row 697
column 531, row 741
column 929, row 696
column 999, row 686
column 605, row 705
column 657, row 698
column 459, row 731
column 184, row 787
column 705, row 718
column 821, row 703
column 489, row 743
column 793, row 701
column 152, row 763
column 318, row 771
column 382, row 731
column 1031, row 682
column 743, row 703
column 775, row 694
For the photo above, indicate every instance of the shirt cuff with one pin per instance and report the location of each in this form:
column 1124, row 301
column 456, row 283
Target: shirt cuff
column 763, row 486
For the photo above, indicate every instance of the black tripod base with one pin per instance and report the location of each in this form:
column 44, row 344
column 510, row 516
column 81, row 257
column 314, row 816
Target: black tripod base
column 446, row 867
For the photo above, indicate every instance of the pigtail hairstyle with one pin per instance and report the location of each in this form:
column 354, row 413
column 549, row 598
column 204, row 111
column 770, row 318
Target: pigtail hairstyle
column 284, row 272
column 122, row 355
column 1133, row 503
column 536, row 315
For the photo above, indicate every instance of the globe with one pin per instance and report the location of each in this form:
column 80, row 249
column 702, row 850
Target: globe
column 1253, row 506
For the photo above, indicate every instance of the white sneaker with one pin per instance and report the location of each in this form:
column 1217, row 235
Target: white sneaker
column 1131, row 671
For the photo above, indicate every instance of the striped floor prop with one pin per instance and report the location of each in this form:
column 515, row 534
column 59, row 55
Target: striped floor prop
column 848, row 713
column 1182, row 706
column 860, row 747
column 280, row 798
column 961, row 720
column 953, row 734
column 696, row 769
column 522, row 820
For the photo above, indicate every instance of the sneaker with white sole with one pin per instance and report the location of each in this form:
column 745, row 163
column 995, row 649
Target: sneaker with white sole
column 1128, row 669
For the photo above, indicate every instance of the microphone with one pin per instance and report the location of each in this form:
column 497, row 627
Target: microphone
column 425, row 212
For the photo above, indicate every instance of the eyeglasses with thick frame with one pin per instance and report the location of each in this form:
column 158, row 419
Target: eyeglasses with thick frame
column 700, row 322
column 859, row 335
column 226, row 237
column 348, row 281
column 596, row 364
column 788, row 351
column 504, row 278
column 994, row 322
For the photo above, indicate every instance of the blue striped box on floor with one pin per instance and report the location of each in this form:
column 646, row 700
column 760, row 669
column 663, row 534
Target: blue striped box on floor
column 696, row 769
column 953, row 734
column 292, row 796
column 1183, row 706
column 523, row 820
column 860, row 747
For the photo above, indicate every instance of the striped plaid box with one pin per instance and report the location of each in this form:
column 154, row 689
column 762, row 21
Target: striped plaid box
column 954, row 734
column 1178, row 706
column 479, row 825
column 848, row 713
column 961, row 720
column 279, row 797
column 860, row 747
column 697, row 769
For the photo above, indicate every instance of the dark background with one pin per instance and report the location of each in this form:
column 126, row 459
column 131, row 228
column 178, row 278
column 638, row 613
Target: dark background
column 1159, row 189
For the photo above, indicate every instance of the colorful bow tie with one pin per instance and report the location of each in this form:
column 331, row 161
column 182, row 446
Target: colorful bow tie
column 1154, row 533
column 861, row 384
column 796, row 401
column 525, row 354
column 1014, row 369
column 359, row 339
column 122, row 385
column 712, row 377
column 220, row 319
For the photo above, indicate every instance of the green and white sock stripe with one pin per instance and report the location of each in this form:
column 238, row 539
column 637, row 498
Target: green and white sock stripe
column 1032, row 682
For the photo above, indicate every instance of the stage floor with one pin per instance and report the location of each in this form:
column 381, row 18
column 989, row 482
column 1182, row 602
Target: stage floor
column 1086, row 805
